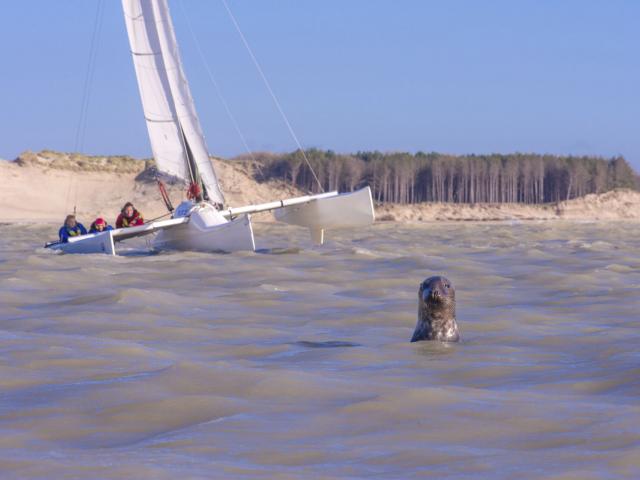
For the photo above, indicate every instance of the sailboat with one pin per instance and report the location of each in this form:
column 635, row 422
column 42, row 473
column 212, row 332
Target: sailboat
column 203, row 222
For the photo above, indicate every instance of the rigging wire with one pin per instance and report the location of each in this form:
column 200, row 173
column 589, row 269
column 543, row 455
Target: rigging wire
column 84, row 106
column 216, row 85
column 271, row 92
column 91, row 67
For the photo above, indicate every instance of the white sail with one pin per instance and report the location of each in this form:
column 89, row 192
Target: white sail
column 172, row 121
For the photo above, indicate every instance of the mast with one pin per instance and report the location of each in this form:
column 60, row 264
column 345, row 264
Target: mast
column 199, row 193
column 175, row 134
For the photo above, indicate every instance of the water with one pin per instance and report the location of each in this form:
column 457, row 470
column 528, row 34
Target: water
column 295, row 362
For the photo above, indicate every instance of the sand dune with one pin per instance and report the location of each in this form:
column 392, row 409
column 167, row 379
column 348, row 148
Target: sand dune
column 615, row 205
column 44, row 187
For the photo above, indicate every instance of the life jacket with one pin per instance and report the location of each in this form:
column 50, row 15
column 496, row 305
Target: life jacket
column 135, row 219
column 65, row 232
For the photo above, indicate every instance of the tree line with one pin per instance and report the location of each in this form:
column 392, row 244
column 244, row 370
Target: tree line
column 435, row 177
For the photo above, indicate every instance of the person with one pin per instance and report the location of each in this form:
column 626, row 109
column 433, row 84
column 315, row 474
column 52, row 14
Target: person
column 71, row 228
column 99, row 225
column 129, row 217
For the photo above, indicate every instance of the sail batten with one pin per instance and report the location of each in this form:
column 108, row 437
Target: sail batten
column 172, row 122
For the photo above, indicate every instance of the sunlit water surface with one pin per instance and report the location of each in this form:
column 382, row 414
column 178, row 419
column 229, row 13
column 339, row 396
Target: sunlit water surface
column 295, row 362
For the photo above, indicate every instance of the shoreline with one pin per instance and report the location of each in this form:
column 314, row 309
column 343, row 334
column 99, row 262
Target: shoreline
column 266, row 221
column 615, row 205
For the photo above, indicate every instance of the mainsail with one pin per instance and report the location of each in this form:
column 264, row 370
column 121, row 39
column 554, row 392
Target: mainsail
column 176, row 137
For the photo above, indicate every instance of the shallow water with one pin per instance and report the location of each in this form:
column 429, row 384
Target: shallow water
column 295, row 362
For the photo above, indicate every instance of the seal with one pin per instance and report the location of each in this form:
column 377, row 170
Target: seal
column 436, row 311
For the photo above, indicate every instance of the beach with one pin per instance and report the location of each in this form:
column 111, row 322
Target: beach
column 43, row 187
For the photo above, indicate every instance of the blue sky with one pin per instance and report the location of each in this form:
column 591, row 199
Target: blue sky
column 459, row 76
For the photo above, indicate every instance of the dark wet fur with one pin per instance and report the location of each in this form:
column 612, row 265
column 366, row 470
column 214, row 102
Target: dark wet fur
column 436, row 311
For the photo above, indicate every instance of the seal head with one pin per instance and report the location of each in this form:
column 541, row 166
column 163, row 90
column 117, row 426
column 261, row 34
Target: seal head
column 436, row 311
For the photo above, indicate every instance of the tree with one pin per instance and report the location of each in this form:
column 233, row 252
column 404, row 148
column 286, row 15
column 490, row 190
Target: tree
column 432, row 177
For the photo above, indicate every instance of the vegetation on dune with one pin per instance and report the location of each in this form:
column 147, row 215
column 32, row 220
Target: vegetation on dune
column 121, row 164
column 434, row 177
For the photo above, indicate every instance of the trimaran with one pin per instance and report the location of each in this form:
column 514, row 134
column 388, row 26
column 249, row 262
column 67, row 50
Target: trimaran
column 202, row 223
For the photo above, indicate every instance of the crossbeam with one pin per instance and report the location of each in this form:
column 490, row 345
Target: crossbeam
column 265, row 207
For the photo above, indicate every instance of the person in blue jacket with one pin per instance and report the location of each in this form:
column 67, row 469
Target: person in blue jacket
column 99, row 225
column 71, row 228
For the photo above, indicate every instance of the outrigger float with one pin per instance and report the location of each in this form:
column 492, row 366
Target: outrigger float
column 179, row 149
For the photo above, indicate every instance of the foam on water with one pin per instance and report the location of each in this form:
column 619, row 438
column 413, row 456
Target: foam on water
column 296, row 362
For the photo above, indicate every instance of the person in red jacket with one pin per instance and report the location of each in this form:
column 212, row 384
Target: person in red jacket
column 129, row 217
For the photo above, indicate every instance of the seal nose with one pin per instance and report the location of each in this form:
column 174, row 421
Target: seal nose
column 435, row 294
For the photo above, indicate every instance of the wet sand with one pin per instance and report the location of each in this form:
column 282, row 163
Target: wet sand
column 295, row 362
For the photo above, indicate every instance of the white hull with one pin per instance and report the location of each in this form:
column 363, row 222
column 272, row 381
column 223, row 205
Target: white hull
column 333, row 212
column 92, row 243
column 104, row 242
column 207, row 231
